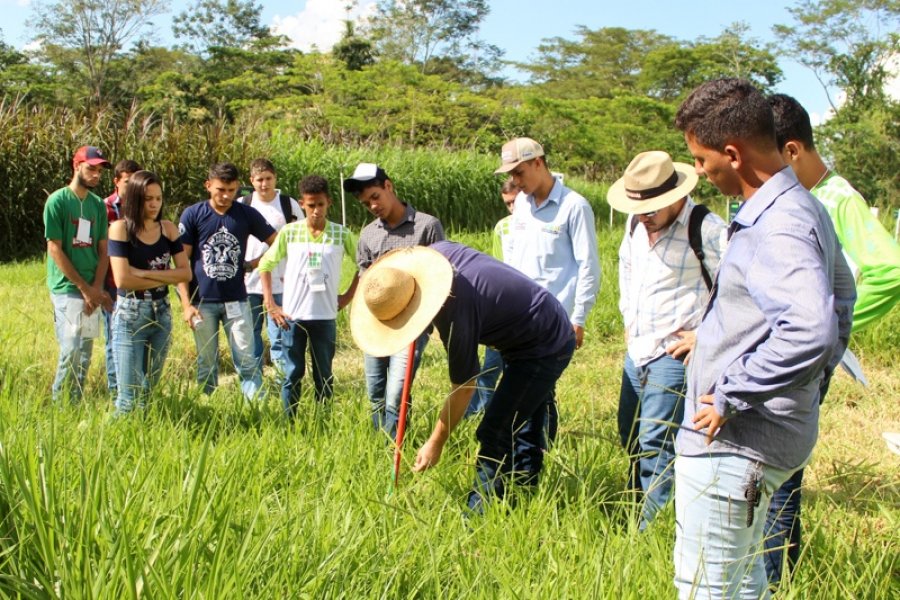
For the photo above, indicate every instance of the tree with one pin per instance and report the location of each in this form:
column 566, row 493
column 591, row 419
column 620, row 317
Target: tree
column 222, row 23
column 83, row 37
column 415, row 32
column 355, row 52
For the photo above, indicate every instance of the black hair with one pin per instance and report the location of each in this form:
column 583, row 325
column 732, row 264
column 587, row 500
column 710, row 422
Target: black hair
column 226, row 172
column 791, row 121
column 313, row 184
column 126, row 166
column 727, row 109
column 133, row 203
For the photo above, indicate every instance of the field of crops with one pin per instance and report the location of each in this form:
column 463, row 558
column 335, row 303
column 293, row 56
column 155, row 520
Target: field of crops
column 216, row 498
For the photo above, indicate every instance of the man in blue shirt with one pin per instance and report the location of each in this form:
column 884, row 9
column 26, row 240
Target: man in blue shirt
column 214, row 234
column 473, row 299
column 776, row 325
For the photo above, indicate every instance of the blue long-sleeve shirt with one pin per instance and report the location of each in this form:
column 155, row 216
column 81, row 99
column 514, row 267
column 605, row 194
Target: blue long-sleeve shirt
column 777, row 323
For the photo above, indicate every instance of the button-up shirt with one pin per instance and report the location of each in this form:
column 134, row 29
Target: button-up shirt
column 377, row 238
column 555, row 244
column 661, row 286
column 777, row 323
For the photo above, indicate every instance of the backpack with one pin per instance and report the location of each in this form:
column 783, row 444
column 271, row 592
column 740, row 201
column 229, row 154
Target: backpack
column 695, row 237
column 284, row 199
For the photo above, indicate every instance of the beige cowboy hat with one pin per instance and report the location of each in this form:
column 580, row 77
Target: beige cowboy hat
column 397, row 298
column 651, row 182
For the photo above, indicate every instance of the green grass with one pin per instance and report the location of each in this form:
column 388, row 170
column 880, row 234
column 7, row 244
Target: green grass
column 210, row 497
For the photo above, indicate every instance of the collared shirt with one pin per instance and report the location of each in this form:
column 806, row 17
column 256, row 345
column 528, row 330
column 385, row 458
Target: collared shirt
column 777, row 323
column 661, row 286
column 113, row 213
column 556, row 246
column 376, row 238
column 493, row 304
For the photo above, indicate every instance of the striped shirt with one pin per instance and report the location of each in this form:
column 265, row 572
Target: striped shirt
column 376, row 238
column 661, row 288
column 309, row 261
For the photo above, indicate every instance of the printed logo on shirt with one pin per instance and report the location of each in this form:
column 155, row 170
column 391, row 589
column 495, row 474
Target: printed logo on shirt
column 221, row 255
column 315, row 260
column 550, row 228
column 160, row 263
column 181, row 228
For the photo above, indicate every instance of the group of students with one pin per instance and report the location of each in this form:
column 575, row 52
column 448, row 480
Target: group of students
column 759, row 311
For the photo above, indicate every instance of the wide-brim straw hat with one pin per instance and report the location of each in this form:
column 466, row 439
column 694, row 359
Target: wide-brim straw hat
column 397, row 298
column 651, row 182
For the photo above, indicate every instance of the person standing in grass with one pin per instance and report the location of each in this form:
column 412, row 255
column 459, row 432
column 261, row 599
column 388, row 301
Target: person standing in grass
column 312, row 252
column 75, row 226
column 473, row 299
column 396, row 225
column 493, row 362
column 777, row 323
column 142, row 248
column 662, row 291
column 872, row 254
column 552, row 238
column 278, row 210
column 214, row 234
column 121, row 172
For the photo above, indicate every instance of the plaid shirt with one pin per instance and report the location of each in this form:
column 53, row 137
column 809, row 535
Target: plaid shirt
column 376, row 239
column 661, row 288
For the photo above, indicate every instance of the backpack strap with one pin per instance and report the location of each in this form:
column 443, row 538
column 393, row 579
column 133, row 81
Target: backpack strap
column 245, row 199
column 633, row 224
column 289, row 216
column 695, row 239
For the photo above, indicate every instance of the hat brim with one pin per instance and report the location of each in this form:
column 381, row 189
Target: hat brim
column 433, row 275
column 95, row 162
column 619, row 200
column 508, row 167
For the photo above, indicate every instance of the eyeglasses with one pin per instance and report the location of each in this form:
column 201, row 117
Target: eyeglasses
column 649, row 215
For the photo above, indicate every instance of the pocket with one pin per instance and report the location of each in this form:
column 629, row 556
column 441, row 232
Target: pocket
column 127, row 311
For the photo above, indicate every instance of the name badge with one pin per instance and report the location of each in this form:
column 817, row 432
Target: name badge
column 316, row 279
column 233, row 310
column 83, row 233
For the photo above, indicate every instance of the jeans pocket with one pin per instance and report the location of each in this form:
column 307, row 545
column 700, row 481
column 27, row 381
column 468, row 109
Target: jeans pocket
column 127, row 311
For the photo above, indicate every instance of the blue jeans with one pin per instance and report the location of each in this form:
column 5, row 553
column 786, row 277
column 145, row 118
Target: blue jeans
column 276, row 334
column 384, row 384
column 74, row 350
column 321, row 336
column 717, row 554
column 239, row 330
column 650, row 410
column 141, row 335
column 783, row 528
column 513, row 431
column 486, row 382
column 110, row 352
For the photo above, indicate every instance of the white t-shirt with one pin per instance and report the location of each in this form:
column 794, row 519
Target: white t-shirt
column 271, row 211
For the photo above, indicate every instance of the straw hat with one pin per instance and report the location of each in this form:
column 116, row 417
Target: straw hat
column 651, row 182
column 398, row 297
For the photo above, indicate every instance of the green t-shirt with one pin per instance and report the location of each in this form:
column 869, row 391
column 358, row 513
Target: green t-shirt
column 61, row 214
column 871, row 250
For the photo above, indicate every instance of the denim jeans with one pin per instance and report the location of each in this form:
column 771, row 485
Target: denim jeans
column 74, row 350
column 651, row 405
column 141, row 335
column 107, row 319
column 239, row 330
column 491, row 369
column 717, row 554
column 275, row 333
column 321, row 336
column 384, row 384
column 783, row 528
column 513, row 432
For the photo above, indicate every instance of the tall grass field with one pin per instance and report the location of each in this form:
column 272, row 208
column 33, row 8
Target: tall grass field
column 212, row 497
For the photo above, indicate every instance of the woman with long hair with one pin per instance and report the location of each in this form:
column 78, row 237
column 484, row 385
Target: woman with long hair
column 142, row 249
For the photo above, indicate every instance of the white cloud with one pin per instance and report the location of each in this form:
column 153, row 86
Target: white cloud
column 320, row 24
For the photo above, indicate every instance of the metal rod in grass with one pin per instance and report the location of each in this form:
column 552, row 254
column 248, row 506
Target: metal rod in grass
column 343, row 199
column 404, row 408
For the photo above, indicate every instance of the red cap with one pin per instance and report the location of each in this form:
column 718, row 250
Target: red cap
column 90, row 155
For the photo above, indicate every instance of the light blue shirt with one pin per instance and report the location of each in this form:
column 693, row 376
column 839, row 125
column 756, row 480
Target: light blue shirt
column 556, row 246
column 776, row 325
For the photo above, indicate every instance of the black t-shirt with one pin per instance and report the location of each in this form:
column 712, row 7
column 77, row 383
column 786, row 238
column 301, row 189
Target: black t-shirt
column 151, row 257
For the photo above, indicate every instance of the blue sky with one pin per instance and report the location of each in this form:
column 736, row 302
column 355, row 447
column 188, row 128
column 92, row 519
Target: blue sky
column 519, row 26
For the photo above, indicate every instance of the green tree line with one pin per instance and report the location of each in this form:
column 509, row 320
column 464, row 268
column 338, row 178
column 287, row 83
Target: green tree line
column 415, row 76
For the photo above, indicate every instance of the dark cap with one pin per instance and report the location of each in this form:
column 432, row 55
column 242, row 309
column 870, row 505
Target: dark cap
column 364, row 175
column 90, row 155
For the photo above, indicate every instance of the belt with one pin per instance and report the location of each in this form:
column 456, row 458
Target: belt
column 155, row 294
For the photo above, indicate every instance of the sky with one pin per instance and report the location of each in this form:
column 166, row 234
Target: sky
column 519, row 26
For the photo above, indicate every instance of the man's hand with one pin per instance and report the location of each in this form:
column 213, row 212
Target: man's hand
column 579, row 335
column 93, row 298
column 683, row 347
column 428, row 455
column 276, row 314
column 707, row 418
column 344, row 299
column 106, row 301
column 189, row 312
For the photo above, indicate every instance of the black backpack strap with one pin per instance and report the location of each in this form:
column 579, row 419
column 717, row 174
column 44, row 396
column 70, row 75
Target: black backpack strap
column 634, row 223
column 289, row 216
column 245, row 199
column 695, row 239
